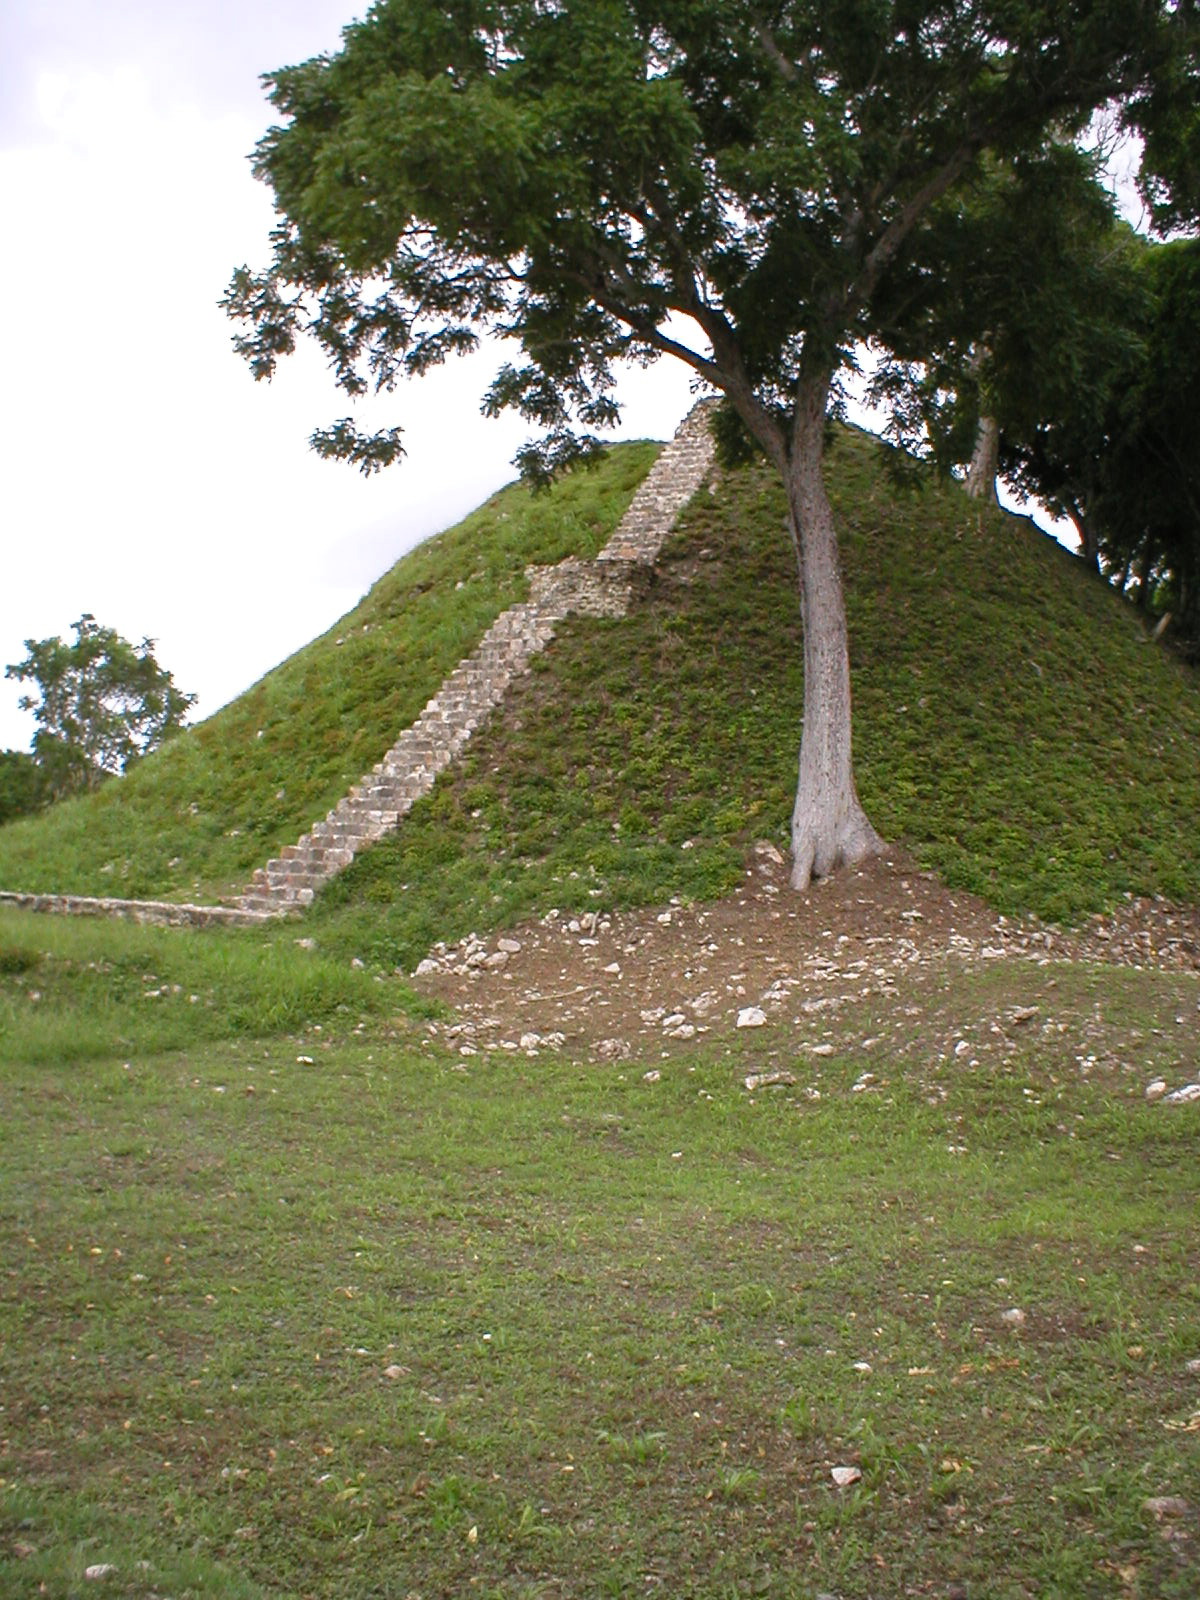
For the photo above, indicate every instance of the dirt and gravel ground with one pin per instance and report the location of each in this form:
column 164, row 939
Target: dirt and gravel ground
column 863, row 962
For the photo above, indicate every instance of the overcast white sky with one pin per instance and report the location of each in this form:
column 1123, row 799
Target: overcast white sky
column 144, row 476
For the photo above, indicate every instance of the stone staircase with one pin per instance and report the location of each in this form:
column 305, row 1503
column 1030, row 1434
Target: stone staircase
column 600, row 588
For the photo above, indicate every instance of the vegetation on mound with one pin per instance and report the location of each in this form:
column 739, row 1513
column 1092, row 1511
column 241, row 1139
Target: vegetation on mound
column 195, row 819
column 1014, row 729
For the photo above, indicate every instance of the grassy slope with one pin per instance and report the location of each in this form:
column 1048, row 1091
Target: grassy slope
column 334, row 1318
column 1012, row 727
column 197, row 817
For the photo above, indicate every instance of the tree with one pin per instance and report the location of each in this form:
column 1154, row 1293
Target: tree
column 1095, row 388
column 726, row 182
column 1167, row 117
column 23, row 788
column 1147, row 501
column 1062, row 310
column 101, row 702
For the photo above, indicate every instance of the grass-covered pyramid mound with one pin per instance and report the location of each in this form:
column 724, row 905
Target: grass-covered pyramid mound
column 1014, row 727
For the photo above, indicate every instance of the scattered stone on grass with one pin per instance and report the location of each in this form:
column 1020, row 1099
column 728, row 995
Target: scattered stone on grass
column 768, row 1080
column 854, row 936
column 1161, row 1506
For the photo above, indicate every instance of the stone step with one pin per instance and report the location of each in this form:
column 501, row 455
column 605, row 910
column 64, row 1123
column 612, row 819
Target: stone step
column 376, row 804
column 348, row 841
column 285, row 876
column 266, row 904
column 366, row 811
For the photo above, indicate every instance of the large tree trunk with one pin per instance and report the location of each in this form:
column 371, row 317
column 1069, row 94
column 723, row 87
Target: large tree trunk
column 829, row 826
column 985, row 461
column 1089, row 552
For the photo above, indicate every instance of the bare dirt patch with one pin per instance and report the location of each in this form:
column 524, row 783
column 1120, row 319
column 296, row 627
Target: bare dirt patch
column 877, row 943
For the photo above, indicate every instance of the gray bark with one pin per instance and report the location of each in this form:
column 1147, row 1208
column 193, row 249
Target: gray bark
column 829, row 826
column 985, row 461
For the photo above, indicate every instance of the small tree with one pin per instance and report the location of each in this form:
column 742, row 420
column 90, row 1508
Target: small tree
column 1062, row 309
column 1095, row 388
column 23, row 787
column 728, row 182
column 101, row 702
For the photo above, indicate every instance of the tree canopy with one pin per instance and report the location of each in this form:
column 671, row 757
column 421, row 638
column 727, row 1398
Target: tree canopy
column 1089, row 368
column 101, row 702
column 1146, row 490
column 729, row 183
column 23, row 786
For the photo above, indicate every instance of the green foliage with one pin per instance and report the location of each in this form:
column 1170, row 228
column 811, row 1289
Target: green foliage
column 1087, row 363
column 1167, row 117
column 101, row 702
column 1148, row 506
column 1037, row 319
column 23, row 785
column 572, row 176
column 1104, row 429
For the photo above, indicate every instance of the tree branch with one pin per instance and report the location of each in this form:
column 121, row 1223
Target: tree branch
column 787, row 69
column 897, row 231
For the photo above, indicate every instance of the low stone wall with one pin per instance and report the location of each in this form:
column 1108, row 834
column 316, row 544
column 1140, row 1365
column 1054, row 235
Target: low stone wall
column 162, row 913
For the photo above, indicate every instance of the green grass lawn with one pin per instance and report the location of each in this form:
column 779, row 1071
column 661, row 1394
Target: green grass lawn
column 330, row 1312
